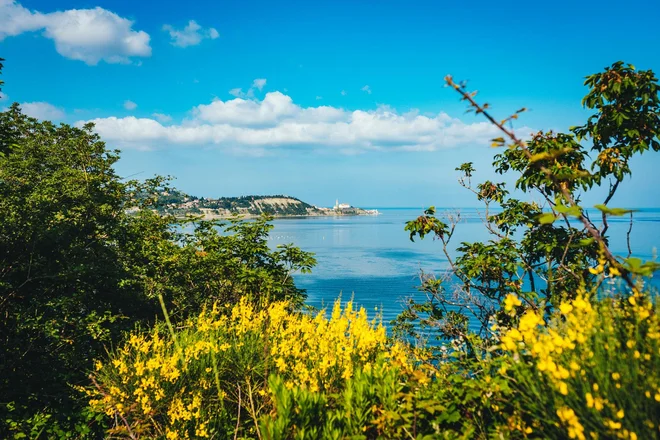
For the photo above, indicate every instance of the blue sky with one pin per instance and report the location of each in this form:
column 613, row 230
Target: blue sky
column 319, row 100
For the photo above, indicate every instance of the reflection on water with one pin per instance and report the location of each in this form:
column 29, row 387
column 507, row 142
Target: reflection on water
column 372, row 259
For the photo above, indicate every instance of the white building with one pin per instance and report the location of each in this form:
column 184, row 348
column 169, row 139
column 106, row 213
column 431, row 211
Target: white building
column 339, row 206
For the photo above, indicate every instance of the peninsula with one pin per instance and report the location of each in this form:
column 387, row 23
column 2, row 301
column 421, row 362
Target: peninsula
column 180, row 204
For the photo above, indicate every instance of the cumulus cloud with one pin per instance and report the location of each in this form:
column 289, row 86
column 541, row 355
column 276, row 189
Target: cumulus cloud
column 191, row 35
column 43, row 111
column 255, row 126
column 130, row 105
column 88, row 35
column 366, row 89
column 343, row 93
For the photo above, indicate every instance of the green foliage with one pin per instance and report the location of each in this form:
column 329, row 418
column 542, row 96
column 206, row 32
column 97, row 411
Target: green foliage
column 84, row 257
column 177, row 203
column 541, row 253
column 62, row 232
column 378, row 403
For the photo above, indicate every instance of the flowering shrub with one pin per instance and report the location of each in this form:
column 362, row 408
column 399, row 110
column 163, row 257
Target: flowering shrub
column 209, row 378
column 593, row 371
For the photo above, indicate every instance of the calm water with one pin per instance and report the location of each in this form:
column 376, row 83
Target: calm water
column 371, row 258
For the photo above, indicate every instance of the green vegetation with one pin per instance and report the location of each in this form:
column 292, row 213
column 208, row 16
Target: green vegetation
column 119, row 318
column 83, row 259
column 175, row 202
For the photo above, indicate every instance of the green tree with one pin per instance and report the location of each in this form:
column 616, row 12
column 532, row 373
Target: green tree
column 84, row 256
column 62, row 234
column 540, row 253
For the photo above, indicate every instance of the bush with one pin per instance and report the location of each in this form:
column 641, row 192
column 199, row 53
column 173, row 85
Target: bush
column 83, row 259
column 210, row 377
column 592, row 372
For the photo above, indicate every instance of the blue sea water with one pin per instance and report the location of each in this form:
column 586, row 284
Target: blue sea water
column 371, row 258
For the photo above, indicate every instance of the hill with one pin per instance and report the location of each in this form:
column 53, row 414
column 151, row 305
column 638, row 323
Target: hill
column 180, row 204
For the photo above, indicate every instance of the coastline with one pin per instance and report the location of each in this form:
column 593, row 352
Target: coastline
column 215, row 216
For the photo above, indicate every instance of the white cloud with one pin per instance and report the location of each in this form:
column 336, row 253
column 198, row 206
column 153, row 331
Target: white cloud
column 130, row 105
column 237, row 92
column 43, row 111
column 260, row 126
column 343, row 93
column 318, row 98
column 191, row 35
column 3, row 97
column 88, row 35
column 259, row 83
column 366, row 89
column 162, row 118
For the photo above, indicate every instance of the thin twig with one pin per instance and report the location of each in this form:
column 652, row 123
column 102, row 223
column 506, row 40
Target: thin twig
column 628, row 235
column 238, row 417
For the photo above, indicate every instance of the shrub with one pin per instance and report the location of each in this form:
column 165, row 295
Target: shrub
column 210, row 376
column 593, row 371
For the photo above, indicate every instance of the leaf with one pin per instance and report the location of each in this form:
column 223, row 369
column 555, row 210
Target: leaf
column 546, row 218
column 616, row 212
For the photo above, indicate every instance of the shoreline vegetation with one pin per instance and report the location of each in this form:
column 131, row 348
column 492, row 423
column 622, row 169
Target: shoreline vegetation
column 181, row 205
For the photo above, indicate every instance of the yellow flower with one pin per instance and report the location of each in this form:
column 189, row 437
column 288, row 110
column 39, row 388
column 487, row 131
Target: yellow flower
column 565, row 308
column 613, row 425
column 510, row 302
column 570, row 419
column 590, row 400
column 563, row 388
column 616, row 376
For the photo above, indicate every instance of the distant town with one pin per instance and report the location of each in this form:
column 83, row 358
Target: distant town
column 180, row 204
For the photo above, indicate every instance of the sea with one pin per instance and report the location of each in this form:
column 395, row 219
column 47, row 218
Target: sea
column 371, row 259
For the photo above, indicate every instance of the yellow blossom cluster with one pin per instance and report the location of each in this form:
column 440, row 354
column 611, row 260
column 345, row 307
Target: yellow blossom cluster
column 176, row 386
column 599, row 361
column 315, row 351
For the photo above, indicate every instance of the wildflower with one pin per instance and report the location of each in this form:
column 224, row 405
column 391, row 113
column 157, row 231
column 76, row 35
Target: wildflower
column 613, row 425
column 510, row 302
column 570, row 419
column 590, row 400
column 565, row 308
column 563, row 388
